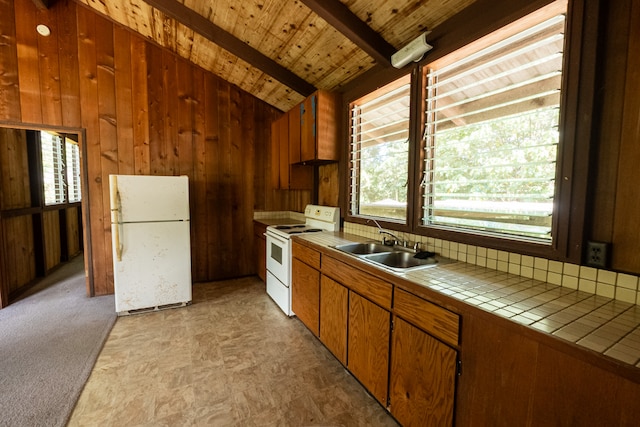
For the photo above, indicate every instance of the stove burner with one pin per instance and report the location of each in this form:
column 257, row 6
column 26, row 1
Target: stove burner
column 288, row 227
column 313, row 230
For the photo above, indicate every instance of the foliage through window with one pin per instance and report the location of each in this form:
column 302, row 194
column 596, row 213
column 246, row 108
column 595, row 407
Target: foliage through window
column 380, row 152
column 491, row 135
column 60, row 169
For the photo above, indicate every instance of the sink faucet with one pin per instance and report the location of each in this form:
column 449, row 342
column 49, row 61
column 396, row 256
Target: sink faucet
column 382, row 231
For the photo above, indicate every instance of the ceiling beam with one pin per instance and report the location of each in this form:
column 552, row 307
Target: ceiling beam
column 342, row 19
column 225, row 40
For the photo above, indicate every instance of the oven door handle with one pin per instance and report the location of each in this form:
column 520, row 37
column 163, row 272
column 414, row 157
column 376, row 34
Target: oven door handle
column 279, row 239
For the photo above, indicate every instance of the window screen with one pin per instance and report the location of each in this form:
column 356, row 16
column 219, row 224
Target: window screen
column 380, row 152
column 491, row 135
column 60, row 169
column 53, row 168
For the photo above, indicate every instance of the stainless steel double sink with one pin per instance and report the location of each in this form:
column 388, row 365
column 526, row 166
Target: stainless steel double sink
column 398, row 259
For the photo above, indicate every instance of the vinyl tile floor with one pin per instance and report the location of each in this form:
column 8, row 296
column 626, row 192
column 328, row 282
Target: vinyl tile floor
column 232, row 358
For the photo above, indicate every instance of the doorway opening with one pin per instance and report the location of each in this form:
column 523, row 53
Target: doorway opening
column 43, row 217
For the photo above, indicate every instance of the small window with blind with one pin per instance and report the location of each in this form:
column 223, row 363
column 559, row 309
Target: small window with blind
column 60, row 169
column 379, row 154
column 491, row 120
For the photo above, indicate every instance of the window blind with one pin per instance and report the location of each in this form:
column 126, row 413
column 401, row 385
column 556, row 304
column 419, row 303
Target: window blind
column 379, row 152
column 491, row 136
column 73, row 171
column 53, row 168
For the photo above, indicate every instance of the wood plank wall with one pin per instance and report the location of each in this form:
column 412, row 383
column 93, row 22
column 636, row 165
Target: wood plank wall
column 144, row 111
column 615, row 204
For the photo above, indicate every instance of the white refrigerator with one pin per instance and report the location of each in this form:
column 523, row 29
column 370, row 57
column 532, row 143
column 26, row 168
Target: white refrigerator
column 151, row 242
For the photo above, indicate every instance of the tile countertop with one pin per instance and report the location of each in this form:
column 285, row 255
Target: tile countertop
column 605, row 325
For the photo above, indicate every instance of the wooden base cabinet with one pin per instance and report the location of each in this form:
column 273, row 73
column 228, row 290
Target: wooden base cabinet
column 305, row 294
column 368, row 349
column 334, row 306
column 422, row 377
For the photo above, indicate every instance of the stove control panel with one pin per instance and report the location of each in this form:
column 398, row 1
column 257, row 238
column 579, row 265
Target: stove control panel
column 326, row 214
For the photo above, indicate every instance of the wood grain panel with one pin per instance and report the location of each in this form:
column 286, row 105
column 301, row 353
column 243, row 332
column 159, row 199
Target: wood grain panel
column 185, row 120
column 107, row 125
column 157, row 145
column 498, row 374
column 437, row 321
column 199, row 195
column 9, row 87
column 305, row 294
column 213, row 176
column 244, row 169
column 328, row 185
column 14, row 168
column 101, row 259
column 626, row 228
column 48, row 52
column 422, row 378
column 73, row 232
column 53, row 253
column 306, row 254
column 570, row 392
column 226, row 197
column 140, row 100
column 68, row 62
column 334, row 312
column 368, row 345
column 370, row 287
column 170, row 113
column 28, row 64
column 18, row 252
column 124, row 102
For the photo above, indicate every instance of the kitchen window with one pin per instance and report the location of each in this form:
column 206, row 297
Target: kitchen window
column 491, row 135
column 379, row 154
column 494, row 147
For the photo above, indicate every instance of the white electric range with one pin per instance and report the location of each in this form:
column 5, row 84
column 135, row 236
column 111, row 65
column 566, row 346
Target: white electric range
column 317, row 219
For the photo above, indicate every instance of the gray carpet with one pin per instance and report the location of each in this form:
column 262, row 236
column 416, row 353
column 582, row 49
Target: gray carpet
column 49, row 342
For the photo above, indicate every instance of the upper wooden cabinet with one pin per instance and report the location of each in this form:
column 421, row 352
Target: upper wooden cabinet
column 313, row 132
column 285, row 175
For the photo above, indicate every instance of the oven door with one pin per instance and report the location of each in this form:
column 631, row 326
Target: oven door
column 279, row 258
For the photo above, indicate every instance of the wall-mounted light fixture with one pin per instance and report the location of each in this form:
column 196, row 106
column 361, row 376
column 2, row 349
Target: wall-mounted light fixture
column 414, row 51
column 43, row 30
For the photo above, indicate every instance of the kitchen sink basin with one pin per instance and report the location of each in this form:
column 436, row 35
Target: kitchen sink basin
column 400, row 260
column 364, row 248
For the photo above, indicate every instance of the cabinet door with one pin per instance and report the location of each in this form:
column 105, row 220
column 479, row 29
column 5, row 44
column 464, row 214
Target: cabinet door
column 305, row 294
column 295, row 133
column 283, row 150
column 422, row 377
column 308, row 129
column 333, row 317
column 368, row 344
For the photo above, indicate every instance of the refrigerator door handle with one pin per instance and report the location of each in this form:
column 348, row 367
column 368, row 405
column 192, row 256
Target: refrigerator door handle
column 116, row 215
column 119, row 229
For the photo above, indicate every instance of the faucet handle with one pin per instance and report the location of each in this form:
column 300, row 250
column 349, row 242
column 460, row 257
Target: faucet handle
column 417, row 247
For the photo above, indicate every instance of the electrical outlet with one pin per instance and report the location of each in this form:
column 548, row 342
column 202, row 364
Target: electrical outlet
column 597, row 254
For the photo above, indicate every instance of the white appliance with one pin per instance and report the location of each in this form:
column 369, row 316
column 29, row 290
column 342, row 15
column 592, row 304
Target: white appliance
column 151, row 242
column 317, row 219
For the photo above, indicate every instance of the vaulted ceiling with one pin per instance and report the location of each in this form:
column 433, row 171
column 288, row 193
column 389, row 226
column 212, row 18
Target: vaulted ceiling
column 281, row 50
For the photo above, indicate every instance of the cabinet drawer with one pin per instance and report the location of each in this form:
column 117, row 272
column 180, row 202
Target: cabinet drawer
column 370, row 287
column 437, row 321
column 306, row 255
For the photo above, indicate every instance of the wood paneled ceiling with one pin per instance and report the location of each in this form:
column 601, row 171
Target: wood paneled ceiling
column 281, row 50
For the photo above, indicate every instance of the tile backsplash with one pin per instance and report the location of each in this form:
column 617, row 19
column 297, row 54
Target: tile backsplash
column 619, row 286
